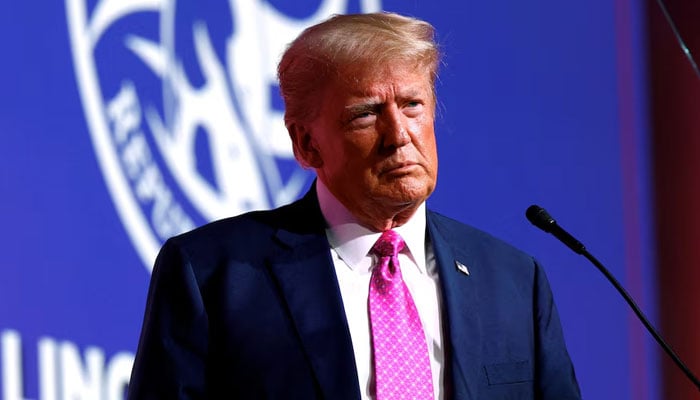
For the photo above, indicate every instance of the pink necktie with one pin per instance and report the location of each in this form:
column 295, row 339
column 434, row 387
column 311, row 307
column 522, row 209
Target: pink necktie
column 401, row 363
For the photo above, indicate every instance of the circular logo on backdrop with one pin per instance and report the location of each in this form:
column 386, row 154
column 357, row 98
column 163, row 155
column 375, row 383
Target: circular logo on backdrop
column 182, row 105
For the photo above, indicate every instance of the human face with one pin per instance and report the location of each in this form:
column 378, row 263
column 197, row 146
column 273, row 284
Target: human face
column 373, row 144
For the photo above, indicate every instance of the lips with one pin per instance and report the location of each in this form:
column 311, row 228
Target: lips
column 398, row 167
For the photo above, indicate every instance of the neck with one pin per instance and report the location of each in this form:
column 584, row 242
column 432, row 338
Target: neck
column 379, row 219
column 383, row 220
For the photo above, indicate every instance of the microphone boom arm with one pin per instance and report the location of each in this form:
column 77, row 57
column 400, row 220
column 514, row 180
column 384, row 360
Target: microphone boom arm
column 541, row 219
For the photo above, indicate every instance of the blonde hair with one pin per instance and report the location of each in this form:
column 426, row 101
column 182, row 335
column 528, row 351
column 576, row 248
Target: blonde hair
column 358, row 43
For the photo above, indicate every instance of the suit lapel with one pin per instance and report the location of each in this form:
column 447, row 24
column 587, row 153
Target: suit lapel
column 304, row 272
column 461, row 314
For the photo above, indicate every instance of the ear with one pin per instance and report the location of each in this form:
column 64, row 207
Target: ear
column 305, row 148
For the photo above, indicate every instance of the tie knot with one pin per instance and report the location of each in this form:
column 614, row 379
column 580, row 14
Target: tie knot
column 389, row 244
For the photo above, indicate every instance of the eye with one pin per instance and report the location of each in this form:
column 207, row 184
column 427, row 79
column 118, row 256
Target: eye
column 361, row 115
column 361, row 120
column 413, row 107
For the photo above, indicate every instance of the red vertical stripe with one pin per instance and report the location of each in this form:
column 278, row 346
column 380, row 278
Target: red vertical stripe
column 675, row 105
column 631, row 192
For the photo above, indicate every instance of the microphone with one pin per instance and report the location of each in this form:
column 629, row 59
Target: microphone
column 541, row 219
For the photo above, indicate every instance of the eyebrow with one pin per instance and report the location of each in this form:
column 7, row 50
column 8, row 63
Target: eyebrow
column 371, row 105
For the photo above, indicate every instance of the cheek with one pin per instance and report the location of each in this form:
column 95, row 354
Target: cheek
column 430, row 153
column 426, row 138
column 359, row 147
column 428, row 149
column 350, row 158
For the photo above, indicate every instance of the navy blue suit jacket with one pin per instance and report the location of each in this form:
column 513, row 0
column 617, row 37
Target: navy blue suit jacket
column 249, row 308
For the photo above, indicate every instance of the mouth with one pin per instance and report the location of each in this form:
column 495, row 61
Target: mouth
column 399, row 168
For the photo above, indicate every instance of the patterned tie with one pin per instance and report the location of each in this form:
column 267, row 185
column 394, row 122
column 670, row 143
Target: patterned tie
column 401, row 363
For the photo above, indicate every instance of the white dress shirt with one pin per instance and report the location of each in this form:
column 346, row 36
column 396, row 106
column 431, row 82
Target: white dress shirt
column 350, row 248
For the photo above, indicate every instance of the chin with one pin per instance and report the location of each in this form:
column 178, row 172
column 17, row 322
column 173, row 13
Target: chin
column 409, row 194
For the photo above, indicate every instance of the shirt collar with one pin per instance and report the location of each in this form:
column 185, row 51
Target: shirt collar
column 353, row 241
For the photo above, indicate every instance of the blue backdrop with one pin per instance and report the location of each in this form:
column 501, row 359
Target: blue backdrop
column 124, row 122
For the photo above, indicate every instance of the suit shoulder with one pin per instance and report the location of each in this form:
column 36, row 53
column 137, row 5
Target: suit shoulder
column 250, row 230
column 467, row 238
column 458, row 229
column 227, row 231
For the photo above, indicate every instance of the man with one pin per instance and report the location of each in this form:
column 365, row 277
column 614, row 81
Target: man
column 356, row 290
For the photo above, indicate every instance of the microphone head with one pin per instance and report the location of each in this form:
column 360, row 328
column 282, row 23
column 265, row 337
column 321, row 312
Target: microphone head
column 539, row 217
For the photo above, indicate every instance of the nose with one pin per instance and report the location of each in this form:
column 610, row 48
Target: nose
column 395, row 128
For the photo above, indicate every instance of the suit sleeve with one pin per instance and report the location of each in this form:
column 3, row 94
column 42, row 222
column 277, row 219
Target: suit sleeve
column 555, row 377
column 170, row 360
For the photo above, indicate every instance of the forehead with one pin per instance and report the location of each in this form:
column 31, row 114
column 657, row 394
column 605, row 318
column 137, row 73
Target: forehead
column 381, row 82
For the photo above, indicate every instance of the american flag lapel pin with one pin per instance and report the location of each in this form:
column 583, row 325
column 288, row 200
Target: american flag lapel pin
column 462, row 268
